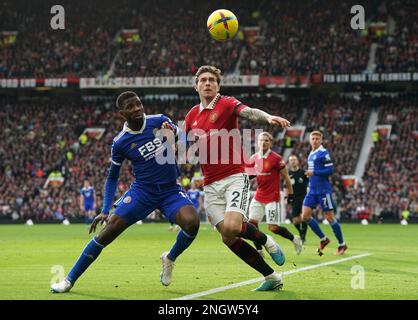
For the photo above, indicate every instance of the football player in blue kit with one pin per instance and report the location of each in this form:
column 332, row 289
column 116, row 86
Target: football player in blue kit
column 320, row 167
column 87, row 201
column 155, row 187
column 195, row 195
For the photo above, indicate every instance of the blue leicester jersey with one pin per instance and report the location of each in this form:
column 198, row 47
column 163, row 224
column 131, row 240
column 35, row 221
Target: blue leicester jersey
column 87, row 194
column 194, row 196
column 319, row 161
column 142, row 148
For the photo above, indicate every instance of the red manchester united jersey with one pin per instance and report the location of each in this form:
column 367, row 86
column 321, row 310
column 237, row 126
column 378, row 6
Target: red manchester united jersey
column 220, row 155
column 267, row 168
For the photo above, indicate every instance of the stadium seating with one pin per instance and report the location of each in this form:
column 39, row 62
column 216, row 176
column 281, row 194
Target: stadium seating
column 390, row 180
column 290, row 41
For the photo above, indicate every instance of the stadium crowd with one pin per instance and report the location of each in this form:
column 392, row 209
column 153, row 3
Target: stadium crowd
column 389, row 185
column 317, row 39
column 172, row 38
column 398, row 52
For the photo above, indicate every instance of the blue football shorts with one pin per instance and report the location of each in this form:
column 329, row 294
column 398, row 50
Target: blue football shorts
column 137, row 203
column 88, row 206
column 325, row 200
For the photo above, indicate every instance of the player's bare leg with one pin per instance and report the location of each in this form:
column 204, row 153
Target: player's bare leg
column 188, row 219
column 336, row 228
column 313, row 224
column 114, row 227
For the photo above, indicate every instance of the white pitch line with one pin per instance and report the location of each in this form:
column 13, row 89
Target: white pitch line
column 244, row 283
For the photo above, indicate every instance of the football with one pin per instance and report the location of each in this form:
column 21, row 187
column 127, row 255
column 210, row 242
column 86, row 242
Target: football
column 222, row 25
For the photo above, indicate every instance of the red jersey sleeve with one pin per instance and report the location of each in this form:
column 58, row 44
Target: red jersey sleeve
column 280, row 164
column 235, row 106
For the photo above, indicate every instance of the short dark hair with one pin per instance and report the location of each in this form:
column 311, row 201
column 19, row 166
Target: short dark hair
column 124, row 96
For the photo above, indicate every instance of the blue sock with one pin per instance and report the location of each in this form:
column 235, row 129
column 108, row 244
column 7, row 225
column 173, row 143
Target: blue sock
column 337, row 231
column 316, row 228
column 183, row 241
column 89, row 254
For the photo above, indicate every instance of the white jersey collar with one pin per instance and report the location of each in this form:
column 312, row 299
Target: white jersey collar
column 127, row 129
column 264, row 156
column 211, row 105
column 320, row 148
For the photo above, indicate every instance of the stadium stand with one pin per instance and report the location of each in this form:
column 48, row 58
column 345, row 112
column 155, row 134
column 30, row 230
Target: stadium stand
column 290, row 41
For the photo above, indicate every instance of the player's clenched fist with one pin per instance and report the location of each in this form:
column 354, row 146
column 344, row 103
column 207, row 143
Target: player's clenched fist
column 167, row 125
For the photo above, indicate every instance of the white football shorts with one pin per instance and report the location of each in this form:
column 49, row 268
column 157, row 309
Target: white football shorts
column 271, row 210
column 229, row 194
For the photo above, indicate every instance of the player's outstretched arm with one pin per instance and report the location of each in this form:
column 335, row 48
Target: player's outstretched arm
column 109, row 193
column 257, row 115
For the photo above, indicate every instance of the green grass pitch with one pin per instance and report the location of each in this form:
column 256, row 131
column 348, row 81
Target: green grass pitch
column 129, row 268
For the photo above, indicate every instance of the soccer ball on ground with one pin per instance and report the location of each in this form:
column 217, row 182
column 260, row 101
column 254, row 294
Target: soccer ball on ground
column 222, row 25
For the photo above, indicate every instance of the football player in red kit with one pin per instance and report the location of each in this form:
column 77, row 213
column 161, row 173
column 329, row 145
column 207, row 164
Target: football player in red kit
column 226, row 185
column 268, row 166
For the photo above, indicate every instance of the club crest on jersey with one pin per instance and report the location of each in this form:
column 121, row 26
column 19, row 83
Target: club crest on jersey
column 266, row 165
column 128, row 199
column 133, row 145
column 213, row 117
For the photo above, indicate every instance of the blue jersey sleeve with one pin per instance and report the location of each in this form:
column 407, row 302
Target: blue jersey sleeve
column 110, row 187
column 112, row 177
column 117, row 155
column 328, row 167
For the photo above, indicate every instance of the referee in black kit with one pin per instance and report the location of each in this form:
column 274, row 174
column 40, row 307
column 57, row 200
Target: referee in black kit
column 300, row 185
